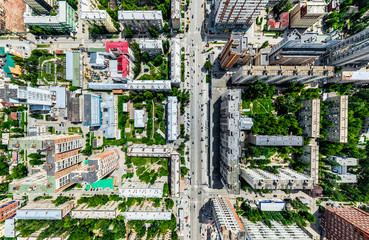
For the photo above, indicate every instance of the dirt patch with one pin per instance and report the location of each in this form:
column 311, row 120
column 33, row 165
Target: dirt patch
column 14, row 10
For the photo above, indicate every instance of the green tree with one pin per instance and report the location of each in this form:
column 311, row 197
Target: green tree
column 208, row 65
column 128, row 33
column 153, row 32
column 265, row 44
column 166, row 28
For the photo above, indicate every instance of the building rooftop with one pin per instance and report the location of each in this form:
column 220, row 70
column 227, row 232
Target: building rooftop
column 175, row 61
column 61, row 17
column 284, row 174
column 172, row 118
column 109, row 116
column 355, row 216
column 140, row 189
column 142, row 150
column 226, row 216
column 86, row 13
column 140, row 118
column 60, row 93
column 73, row 67
column 153, row 85
column 139, row 15
column 148, row 215
column 260, row 231
column 150, row 44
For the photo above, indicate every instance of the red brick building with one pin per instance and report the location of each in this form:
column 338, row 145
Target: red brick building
column 345, row 223
column 8, row 208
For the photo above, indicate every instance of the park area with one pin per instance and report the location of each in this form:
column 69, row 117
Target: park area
column 258, row 106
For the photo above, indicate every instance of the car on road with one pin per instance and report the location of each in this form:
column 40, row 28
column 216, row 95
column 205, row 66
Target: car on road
column 274, row 195
column 200, row 192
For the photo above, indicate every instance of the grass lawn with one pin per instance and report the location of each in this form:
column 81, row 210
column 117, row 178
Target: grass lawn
column 258, row 106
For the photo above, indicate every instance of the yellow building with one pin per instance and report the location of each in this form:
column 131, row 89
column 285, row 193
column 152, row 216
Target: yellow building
column 303, row 15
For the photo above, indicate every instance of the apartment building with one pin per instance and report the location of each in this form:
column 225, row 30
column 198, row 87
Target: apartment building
column 175, row 62
column 26, row 95
column 96, row 168
column 309, row 118
column 45, row 210
column 345, row 222
column 66, row 19
column 141, row 21
column 141, row 190
column 151, row 47
column 311, row 156
column 277, row 231
column 134, row 85
column 172, row 118
column 236, row 51
column 230, row 150
column 338, row 115
column 91, row 15
column 147, row 211
column 240, row 14
column 306, row 13
column 62, row 158
column 121, row 61
column 351, row 51
column 226, row 219
column 176, row 14
column 107, row 211
column 286, row 179
column 266, row 140
column 300, row 49
column 275, row 75
column 141, row 150
column 8, row 208
column 341, row 170
column 42, row 6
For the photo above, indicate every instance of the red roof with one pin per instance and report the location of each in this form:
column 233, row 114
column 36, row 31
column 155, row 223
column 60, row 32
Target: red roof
column 285, row 18
column 273, row 24
column 125, row 66
column 121, row 47
column 13, row 116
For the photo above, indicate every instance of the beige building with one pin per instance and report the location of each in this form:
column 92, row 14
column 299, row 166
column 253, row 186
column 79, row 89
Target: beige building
column 107, row 211
column 90, row 13
column 339, row 116
column 44, row 210
column 306, row 13
column 309, row 118
column 176, row 13
column 311, row 156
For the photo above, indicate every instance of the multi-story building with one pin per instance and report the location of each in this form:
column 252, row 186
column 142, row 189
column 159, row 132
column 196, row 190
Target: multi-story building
column 284, row 22
column 91, row 15
column 134, row 85
column 172, row 119
column 8, row 208
column 309, row 118
column 45, row 210
column 175, row 174
column 151, row 47
column 311, row 156
column 275, row 205
column 226, row 219
column 175, row 62
column 341, row 170
column 236, row 51
column 345, row 222
column 107, row 211
column 176, row 14
column 230, row 150
column 97, row 167
column 277, row 231
column 121, row 61
column 338, row 115
column 300, row 49
column 306, row 13
column 42, row 6
column 282, row 74
column 147, row 211
column 286, row 179
column 267, row 140
column 92, row 110
column 237, row 14
column 141, row 190
column 350, row 51
column 141, row 21
column 26, row 95
column 64, row 21
column 62, row 158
